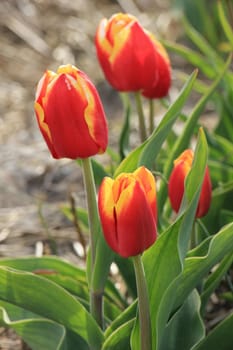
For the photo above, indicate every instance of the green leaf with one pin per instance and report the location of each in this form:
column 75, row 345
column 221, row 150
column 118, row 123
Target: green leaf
column 37, row 333
column 196, row 59
column 220, row 338
column 98, row 171
column 214, row 279
column 43, row 297
column 120, row 338
column 185, row 328
column 225, row 24
column 127, row 272
column 70, row 277
column 145, row 154
column 203, row 45
column 206, row 256
column 127, row 315
column 154, row 143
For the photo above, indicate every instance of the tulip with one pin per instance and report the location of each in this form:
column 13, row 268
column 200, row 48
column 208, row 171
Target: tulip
column 182, row 166
column 70, row 114
column 131, row 58
column 127, row 208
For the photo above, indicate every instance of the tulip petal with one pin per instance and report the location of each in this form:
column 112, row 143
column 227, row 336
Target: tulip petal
column 148, row 182
column 205, row 196
column 106, row 206
column 176, row 184
column 44, row 128
column 133, row 59
column 136, row 227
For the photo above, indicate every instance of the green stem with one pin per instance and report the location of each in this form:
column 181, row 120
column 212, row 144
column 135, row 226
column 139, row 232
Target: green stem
column 93, row 219
column 151, row 115
column 143, row 304
column 141, row 117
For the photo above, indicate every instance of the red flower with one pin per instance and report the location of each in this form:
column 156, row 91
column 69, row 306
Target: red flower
column 70, row 114
column 131, row 58
column 182, row 166
column 128, row 212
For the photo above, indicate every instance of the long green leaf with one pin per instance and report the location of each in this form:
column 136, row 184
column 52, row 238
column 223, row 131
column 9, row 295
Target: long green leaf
column 203, row 45
column 196, row 59
column 225, row 24
column 44, row 297
column 196, row 267
column 153, row 144
column 214, row 279
column 37, row 333
column 220, row 338
column 120, row 338
column 186, row 328
column 70, row 277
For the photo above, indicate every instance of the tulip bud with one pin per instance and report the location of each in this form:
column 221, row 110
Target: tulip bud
column 128, row 212
column 131, row 58
column 182, row 166
column 70, row 114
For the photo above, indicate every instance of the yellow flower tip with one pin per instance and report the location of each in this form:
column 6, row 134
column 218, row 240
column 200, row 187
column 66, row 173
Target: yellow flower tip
column 186, row 157
column 66, row 69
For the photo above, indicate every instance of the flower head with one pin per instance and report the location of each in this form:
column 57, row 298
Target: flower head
column 127, row 207
column 131, row 58
column 70, row 114
column 182, row 166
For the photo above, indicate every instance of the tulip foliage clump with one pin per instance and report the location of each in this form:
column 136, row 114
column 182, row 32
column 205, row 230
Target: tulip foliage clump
column 160, row 212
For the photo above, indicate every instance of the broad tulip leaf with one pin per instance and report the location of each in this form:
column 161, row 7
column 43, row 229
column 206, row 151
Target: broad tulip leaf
column 147, row 151
column 196, row 267
column 186, row 328
column 37, row 332
column 43, row 297
column 220, row 338
column 214, row 279
column 70, row 277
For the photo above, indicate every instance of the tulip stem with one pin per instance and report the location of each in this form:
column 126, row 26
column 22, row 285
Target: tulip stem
column 93, row 220
column 141, row 117
column 151, row 115
column 143, row 304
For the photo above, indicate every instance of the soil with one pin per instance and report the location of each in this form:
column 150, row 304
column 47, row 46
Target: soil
column 37, row 35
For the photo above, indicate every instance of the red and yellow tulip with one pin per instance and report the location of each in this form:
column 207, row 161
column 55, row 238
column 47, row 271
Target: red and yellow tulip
column 128, row 212
column 182, row 166
column 131, row 58
column 70, row 114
